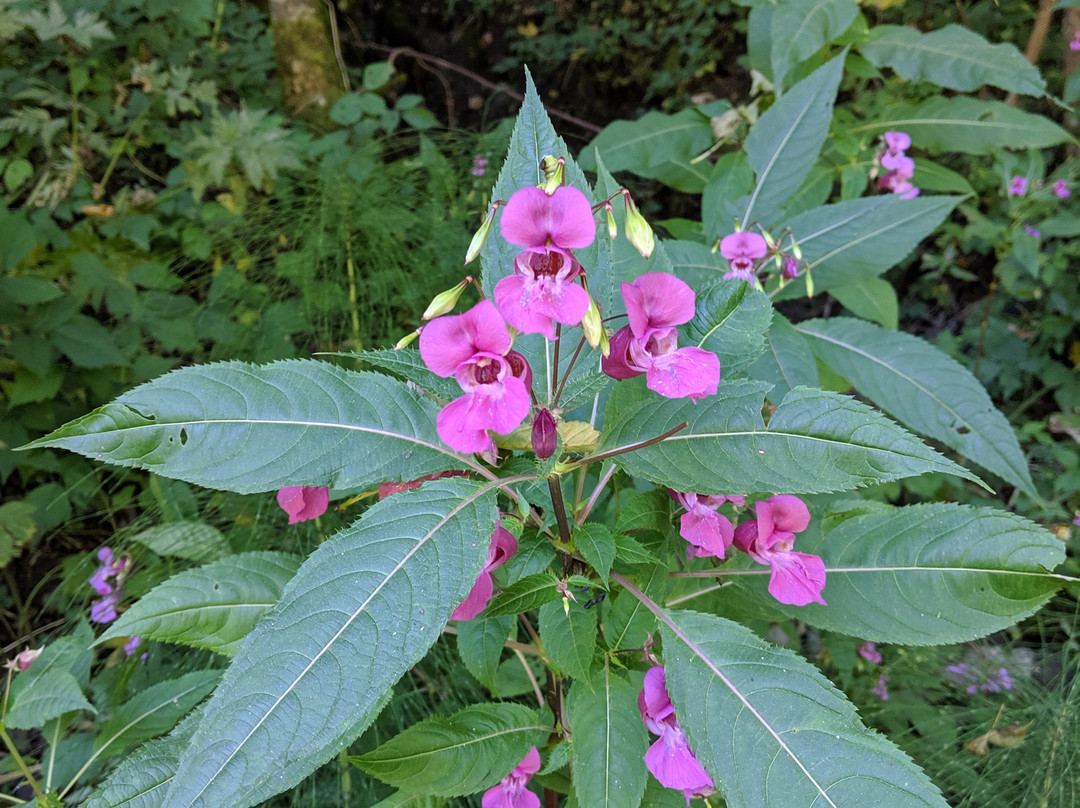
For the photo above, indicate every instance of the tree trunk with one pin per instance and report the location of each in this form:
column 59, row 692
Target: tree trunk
column 307, row 60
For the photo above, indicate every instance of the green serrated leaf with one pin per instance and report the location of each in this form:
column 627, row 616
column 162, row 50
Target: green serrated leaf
column 213, row 607
column 569, row 636
column 17, row 529
column 786, row 140
column 362, row 610
column 772, row 730
column 953, row 57
column 816, row 441
column 800, row 28
column 249, row 428
column 524, row 595
column 609, row 741
column 53, row 693
column 630, row 551
column 458, row 754
column 730, row 320
column 596, row 543
column 872, row 299
column 480, row 643
column 923, row 388
column 787, row 361
column 407, row 364
column 931, row 574
column 194, row 541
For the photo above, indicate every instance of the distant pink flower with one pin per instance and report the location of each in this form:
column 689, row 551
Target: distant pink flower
column 303, row 502
column 1061, row 189
column 24, row 659
column 797, row 578
column 479, row 162
column 897, row 142
column 511, row 791
column 1076, row 519
column 1075, row 44
column 898, row 180
column 474, row 347
column 656, row 302
column 868, row 651
column 502, row 546
column 1031, row 231
column 669, row 759
column 791, row 269
column 1018, row 186
column 742, row 250
column 103, row 610
column 709, row 533
column 131, row 645
column 881, row 689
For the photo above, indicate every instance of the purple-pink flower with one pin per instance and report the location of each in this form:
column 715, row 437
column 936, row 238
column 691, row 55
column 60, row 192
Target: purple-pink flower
column 709, row 533
column 303, row 502
column 503, row 545
column 1061, row 189
column 741, row 251
column 103, row 610
column 511, row 791
column 1075, row 43
column 656, row 303
column 797, row 578
column 669, row 759
column 881, row 689
column 1018, row 186
column 900, row 167
column 474, row 347
column 478, row 165
column 868, row 651
column 24, row 659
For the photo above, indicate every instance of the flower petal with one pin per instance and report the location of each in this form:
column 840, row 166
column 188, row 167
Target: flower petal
column 789, row 513
column 617, row 363
column 477, row 599
column 797, row 578
column 687, row 372
column 533, row 219
column 707, row 531
column 657, row 300
column 446, row 342
column 674, row 765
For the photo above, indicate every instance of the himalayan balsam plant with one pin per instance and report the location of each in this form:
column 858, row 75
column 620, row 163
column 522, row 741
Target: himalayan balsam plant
column 617, row 462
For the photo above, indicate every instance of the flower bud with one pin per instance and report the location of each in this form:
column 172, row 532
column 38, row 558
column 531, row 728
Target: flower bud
column 612, row 228
column 481, row 235
column 553, row 173
column 769, row 239
column 593, row 326
column 638, row 231
column 407, row 340
column 545, row 438
column 796, row 250
column 809, row 283
column 24, row 659
column 791, row 269
column 444, row 302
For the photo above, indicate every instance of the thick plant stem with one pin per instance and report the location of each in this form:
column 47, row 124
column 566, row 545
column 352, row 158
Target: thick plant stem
column 560, row 508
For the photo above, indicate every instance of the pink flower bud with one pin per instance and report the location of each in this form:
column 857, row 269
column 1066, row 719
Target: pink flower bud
column 545, row 437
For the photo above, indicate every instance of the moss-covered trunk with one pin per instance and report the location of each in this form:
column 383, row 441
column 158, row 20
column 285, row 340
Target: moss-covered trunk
column 307, row 61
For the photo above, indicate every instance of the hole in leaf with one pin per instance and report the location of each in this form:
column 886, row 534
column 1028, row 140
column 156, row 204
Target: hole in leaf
column 183, row 437
column 149, row 416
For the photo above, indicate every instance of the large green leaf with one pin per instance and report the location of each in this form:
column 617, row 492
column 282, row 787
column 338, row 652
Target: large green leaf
column 361, row 611
column 815, row 442
column 195, row 541
column 480, row 644
column 249, row 428
column 872, row 299
column 656, row 146
column 923, row 388
column 851, row 241
column 459, row 754
column 141, row 778
column 407, row 364
column 772, row 730
column 730, row 320
column 785, row 141
column 731, row 180
column 609, row 741
column 968, row 125
column 800, row 28
column 212, row 607
column 953, row 57
column 931, row 574
column 787, row 361
column 695, row 263
column 54, row 693
column 569, row 636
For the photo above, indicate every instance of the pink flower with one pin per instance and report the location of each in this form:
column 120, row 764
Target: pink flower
column 868, row 651
column 655, row 303
column 131, row 645
column 1075, row 44
column 897, row 142
column 898, row 180
column 474, row 347
column 881, row 689
column 797, row 578
column 564, row 219
column 103, row 610
column 303, row 502
column 511, row 791
column 24, row 659
column 1061, row 187
column 742, row 250
column 709, row 533
column 479, row 162
column 1018, row 186
column 503, row 546
column 669, row 758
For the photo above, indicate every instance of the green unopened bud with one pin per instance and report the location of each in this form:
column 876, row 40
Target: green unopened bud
column 553, row 173
column 796, row 250
column 444, row 302
column 638, row 231
column 612, row 227
column 481, row 235
column 768, row 239
column 407, row 340
column 809, row 283
column 593, row 327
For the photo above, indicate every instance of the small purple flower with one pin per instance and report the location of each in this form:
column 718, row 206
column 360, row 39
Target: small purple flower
column 132, row 644
column 881, row 689
column 479, row 161
column 103, row 610
column 868, row 651
column 1031, row 231
column 1076, row 519
column 741, row 251
column 1018, row 186
column 996, row 682
column 1061, row 189
column 1075, row 44
column 709, row 533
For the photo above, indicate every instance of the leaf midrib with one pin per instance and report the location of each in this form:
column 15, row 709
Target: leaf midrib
column 461, row 745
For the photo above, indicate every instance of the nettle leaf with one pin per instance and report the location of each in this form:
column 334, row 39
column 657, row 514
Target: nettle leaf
column 524, row 595
column 952, row 57
column 142, row 777
column 931, row 574
column 816, row 441
column 730, row 320
column 923, row 388
column 803, row 27
column 695, row 263
column 480, row 643
column 847, row 242
column 361, row 611
column 787, row 361
column 53, row 693
column 786, row 140
column 772, row 730
column 195, row 541
column 569, row 636
column 249, row 428
column 609, row 741
column 403, row 799
column 459, row 754
column 596, row 543
column 968, row 125
column 212, row 607
column 153, row 711
column 407, row 364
